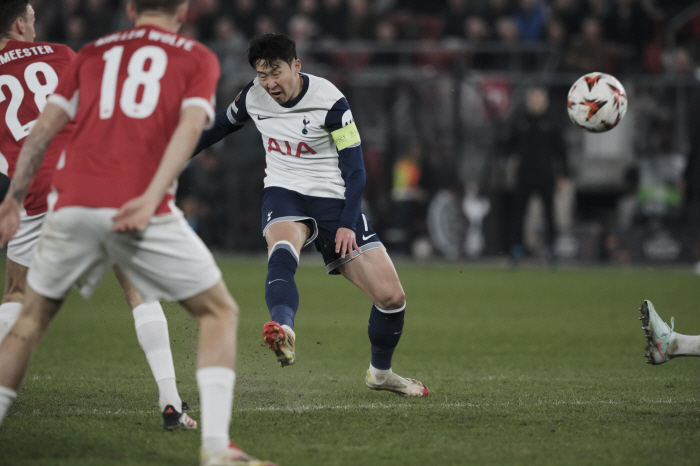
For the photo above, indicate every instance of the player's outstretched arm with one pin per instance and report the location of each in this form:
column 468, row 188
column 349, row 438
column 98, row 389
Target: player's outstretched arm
column 49, row 123
column 222, row 128
column 135, row 214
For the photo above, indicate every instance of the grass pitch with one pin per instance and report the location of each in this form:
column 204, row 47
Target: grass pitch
column 525, row 367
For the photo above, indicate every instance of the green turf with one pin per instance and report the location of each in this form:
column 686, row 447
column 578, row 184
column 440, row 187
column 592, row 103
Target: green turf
column 525, row 367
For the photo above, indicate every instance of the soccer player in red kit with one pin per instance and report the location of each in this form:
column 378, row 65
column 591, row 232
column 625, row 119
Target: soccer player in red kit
column 29, row 74
column 140, row 99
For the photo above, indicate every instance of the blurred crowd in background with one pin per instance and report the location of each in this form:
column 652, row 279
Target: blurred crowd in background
column 453, row 99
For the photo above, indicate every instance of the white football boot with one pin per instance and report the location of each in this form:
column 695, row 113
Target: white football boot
column 659, row 334
column 397, row 384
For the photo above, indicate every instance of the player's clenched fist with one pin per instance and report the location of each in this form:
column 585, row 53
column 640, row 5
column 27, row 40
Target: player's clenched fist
column 9, row 220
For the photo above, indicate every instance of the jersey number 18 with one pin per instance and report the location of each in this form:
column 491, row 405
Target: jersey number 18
column 137, row 76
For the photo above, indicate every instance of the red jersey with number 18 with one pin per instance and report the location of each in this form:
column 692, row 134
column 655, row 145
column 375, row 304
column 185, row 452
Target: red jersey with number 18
column 126, row 91
column 29, row 73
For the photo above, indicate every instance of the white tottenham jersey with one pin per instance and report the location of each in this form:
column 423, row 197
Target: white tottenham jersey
column 301, row 154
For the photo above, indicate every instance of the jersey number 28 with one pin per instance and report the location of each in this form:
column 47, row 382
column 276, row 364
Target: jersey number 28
column 138, row 78
column 41, row 93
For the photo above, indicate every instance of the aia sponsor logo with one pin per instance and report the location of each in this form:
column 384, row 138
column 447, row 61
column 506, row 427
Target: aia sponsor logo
column 287, row 148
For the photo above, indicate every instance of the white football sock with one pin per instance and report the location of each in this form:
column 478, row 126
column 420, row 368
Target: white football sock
column 9, row 313
column 216, row 398
column 152, row 332
column 379, row 375
column 685, row 345
column 7, row 396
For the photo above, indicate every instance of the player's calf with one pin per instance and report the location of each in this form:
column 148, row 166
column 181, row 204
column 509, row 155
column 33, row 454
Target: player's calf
column 281, row 294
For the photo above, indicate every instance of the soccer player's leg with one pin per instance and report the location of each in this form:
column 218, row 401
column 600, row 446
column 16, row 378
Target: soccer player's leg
column 285, row 240
column 18, row 346
column 169, row 261
column 374, row 273
column 152, row 333
column 663, row 344
column 19, row 256
column 15, row 285
column 217, row 315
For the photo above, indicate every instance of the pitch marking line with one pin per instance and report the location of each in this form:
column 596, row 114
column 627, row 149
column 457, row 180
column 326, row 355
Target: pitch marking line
column 367, row 406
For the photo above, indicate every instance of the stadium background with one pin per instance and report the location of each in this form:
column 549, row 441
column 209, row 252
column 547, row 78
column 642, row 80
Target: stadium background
column 434, row 86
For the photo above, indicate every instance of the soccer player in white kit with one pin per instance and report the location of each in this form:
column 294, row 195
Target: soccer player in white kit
column 140, row 99
column 314, row 180
column 29, row 72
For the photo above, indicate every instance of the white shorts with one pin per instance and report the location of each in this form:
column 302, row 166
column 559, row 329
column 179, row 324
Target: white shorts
column 166, row 261
column 20, row 249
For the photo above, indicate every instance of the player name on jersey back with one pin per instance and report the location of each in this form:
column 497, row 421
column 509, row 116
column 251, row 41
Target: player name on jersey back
column 153, row 35
column 16, row 54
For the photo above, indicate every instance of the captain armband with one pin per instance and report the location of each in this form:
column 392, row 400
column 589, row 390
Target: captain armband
column 346, row 136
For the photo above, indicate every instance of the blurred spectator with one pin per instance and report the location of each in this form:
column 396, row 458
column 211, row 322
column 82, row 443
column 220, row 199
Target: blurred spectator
column 98, row 16
column 361, row 21
column 598, row 8
column 280, row 11
column 57, row 30
column 244, row 15
column 587, row 52
column 230, row 46
column 629, row 25
column 201, row 195
column 75, row 33
column 628, row 22
column 264, row 25
column 386, row 36
column 537, row 149
column 555, row 35
column 302, row 30
column 407, row 196
column 496, row 10
column 476, row 30
column 208, row 13
column 507, row 30
column 691, row 177
column 555, row 32
column 530, row 19
column 333, row 15
column 508, row 34
column 454, row 16
column 311, row 9
column 569, row 14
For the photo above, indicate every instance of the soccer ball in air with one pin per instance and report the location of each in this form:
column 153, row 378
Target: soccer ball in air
column 597, row 102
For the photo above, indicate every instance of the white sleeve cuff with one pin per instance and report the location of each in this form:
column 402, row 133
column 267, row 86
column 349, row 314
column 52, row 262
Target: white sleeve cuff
column 68, row 106
column 204, row 104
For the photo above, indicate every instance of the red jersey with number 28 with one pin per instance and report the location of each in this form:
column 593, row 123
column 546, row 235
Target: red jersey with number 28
column 126, row 92
column 29, row 73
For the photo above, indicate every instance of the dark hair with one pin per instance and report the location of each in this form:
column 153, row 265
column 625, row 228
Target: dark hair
column 10, row 10
column 271, row 48
column 166, row 6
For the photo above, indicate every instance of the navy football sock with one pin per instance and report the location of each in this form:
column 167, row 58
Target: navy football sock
column 281, row 292
column 384, row 331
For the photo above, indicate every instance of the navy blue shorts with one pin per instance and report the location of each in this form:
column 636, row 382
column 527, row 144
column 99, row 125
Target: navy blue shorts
column 322, row 215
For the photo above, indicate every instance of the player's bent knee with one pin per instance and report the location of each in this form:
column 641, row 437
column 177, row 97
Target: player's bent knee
column 392, row 301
